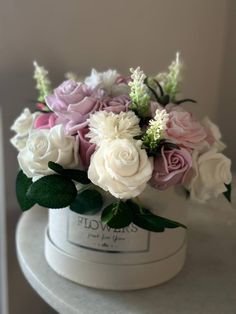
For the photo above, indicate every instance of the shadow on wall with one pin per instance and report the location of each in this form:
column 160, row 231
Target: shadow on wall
column 227, row 106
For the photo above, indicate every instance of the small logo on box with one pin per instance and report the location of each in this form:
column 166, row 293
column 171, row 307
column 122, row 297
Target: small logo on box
column 90, row 233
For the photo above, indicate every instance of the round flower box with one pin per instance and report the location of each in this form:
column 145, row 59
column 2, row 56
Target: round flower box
column 82, row 249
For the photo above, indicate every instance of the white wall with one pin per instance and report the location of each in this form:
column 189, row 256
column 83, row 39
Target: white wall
column 77, row 35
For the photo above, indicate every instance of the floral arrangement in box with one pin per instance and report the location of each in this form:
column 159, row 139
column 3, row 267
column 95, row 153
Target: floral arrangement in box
column 115, row 134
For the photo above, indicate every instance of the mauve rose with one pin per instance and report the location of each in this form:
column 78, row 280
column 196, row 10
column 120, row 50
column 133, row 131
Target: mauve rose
column 154, row 105
column 116, row 104
column 183, row 129
column 86, row 149
column 110, row 104
column 121, row 79
column 153, row 108
column 74, row 101
column 45, row 121
column 170, row 168
column 121, row 86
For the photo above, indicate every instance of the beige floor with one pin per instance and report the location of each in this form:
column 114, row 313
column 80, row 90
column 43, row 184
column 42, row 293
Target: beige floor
column 22, row 298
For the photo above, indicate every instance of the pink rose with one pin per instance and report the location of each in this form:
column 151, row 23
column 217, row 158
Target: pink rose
column 170, row 168
column 86, row 149
column 183, row 129
column 45, row 121
column 42, row 107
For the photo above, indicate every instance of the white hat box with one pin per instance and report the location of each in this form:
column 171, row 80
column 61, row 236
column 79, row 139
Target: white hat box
column 82, row 249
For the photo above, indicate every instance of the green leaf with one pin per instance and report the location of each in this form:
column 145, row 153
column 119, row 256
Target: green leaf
column 117, row 215
column 144, row 219
column 165, row 100
column 158, row 99
column 227, row 193
column 88, row 202
column 178, row 102
column 53, row 191
column 76, row 175
column 156, row 151
column 55, row 167
column 160, row 87
column 22, row 185
column 170, row 146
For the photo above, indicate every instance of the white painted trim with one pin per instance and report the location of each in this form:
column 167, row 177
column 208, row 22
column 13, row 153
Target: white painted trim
column 3, row 249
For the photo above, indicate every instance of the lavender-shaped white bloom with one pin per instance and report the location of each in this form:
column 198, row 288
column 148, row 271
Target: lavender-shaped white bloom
column 156, row 129
column 43, row 84
column 139, row 93
column 171, row 80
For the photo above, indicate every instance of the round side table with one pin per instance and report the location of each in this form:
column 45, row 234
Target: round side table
column 207, row 284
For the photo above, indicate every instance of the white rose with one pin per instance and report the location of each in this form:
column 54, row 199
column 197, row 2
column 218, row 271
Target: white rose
column 22, row 126
column 19, row 142
column 214, row 134
column 121, row 167
column 46, row 145
column 212, row 172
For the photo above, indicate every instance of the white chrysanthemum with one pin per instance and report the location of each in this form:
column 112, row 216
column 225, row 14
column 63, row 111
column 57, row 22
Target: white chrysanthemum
column 104, row 80
column 156, row 129
column 107, row 125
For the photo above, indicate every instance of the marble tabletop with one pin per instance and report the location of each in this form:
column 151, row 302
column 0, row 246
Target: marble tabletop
column 206, row 285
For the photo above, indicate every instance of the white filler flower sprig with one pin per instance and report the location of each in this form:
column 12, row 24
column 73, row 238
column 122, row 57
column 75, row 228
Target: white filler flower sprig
column 139, row 92
column 43, row 84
